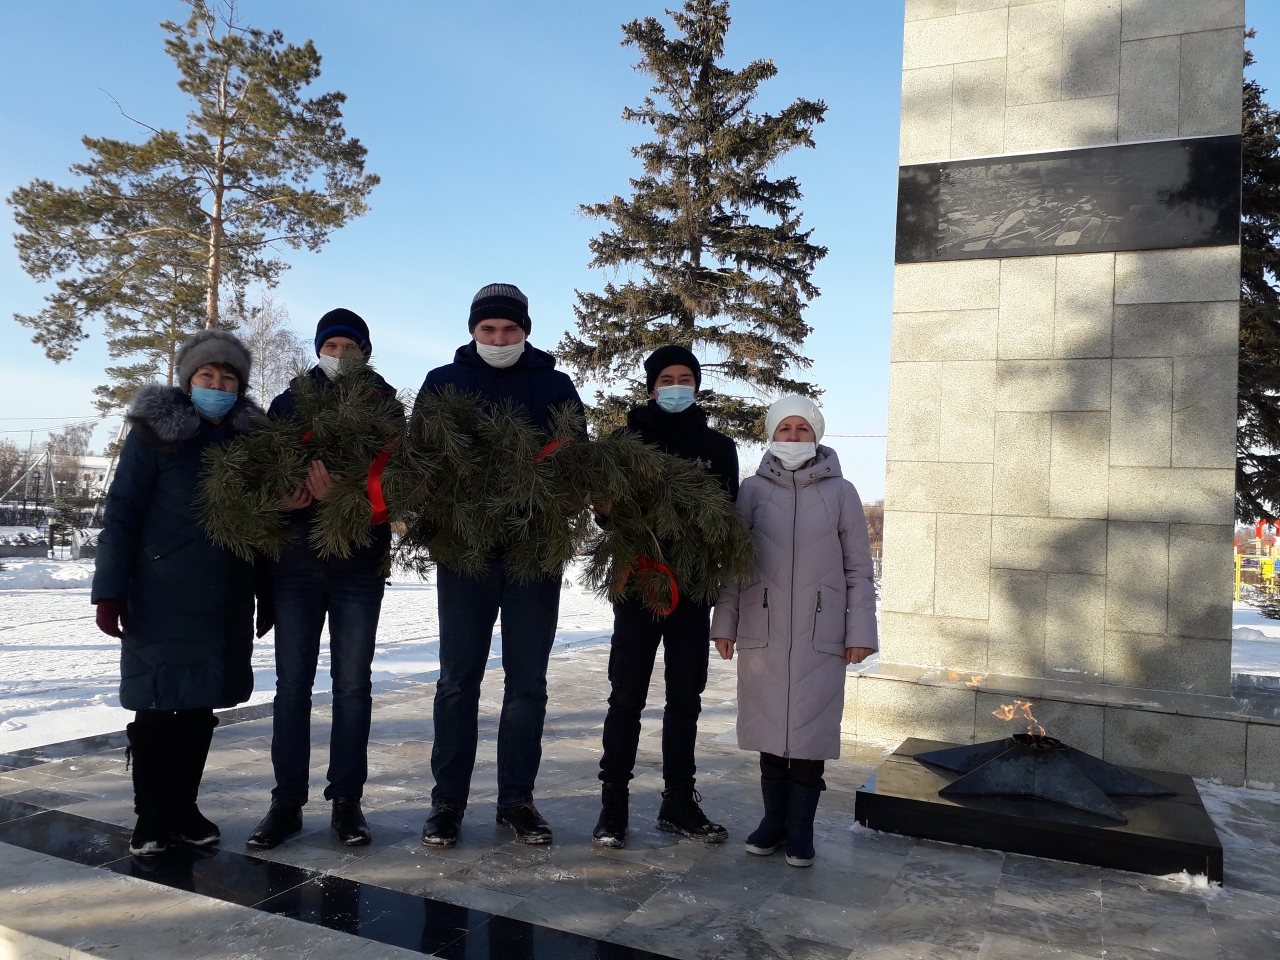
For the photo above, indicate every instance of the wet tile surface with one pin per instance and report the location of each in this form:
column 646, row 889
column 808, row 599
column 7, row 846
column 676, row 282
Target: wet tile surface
column 869, row 895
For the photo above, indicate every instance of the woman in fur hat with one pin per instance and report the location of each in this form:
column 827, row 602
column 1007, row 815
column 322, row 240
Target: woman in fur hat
column 181, row 606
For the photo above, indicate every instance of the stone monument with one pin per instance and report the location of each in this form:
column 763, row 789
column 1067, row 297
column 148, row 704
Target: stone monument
column 1062, row 398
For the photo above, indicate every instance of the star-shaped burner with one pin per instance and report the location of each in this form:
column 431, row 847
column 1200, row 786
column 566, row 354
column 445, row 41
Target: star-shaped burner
column 1042, row 767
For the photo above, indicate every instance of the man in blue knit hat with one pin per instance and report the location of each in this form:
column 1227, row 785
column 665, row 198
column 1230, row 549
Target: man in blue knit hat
column 499, row 364
column 308, row 588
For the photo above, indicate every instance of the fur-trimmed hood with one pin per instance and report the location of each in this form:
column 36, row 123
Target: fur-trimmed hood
column 171, row 417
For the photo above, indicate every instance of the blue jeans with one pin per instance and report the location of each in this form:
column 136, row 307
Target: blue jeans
column 353, row 602
column 469, row 608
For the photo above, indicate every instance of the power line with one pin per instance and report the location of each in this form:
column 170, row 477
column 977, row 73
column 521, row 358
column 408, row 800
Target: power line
column 73, row 423
column 25, row 419
column 858, row 436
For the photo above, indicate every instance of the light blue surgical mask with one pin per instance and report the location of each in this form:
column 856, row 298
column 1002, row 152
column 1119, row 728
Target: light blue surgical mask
column 675, row 398
column 214, row 404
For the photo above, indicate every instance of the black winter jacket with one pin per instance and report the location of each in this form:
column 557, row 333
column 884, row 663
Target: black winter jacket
column 532, row 382
column 686, row 435
column 299, row 555
column 190, row 635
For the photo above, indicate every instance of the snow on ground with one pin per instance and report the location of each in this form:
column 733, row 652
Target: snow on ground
column 18, row 573
column 1255, row 642
column 59, row 675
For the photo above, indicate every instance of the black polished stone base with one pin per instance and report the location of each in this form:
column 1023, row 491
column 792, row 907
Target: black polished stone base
column 399, row 919
column 1163, row 835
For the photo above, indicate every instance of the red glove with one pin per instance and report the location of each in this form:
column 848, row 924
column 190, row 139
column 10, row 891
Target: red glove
column 112, row 615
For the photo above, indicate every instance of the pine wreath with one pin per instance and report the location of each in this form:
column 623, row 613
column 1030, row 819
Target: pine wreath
column 346, row 425
column 528, row 496
column 474, row 481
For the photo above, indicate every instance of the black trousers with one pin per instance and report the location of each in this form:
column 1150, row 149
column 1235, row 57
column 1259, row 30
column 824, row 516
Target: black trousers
column 807, row 773
column 685, row 637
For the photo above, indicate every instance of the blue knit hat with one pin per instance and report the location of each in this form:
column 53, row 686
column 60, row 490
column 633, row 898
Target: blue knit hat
column 343, row 323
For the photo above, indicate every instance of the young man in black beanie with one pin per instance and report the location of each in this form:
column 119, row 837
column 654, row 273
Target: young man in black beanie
column 306, row 588
column 500, row 365
column 673, row 422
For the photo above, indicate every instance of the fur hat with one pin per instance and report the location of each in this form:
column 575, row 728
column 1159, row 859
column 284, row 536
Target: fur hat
column 794, row 406
column 213, row 346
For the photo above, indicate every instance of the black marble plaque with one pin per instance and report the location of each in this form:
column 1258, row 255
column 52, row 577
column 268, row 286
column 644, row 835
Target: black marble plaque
column 1137, row 196
column 1162, row 835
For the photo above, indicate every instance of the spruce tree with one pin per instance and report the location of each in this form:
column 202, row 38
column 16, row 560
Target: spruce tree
column 162, row 229
column 1258, row 430
column 717, row 258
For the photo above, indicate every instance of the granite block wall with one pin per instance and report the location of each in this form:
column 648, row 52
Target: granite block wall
column 1060, row 479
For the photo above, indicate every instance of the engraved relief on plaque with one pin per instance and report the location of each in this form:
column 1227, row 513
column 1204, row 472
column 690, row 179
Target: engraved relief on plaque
column 1145, row 196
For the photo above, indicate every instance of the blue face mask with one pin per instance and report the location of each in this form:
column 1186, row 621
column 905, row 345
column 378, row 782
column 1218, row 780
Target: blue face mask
column 214, row 404
column 676, row 398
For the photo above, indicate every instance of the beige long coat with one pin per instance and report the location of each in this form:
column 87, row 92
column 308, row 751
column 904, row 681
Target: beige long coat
column 810, row 595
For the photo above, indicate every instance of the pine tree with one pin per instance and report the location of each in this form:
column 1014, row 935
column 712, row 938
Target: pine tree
column 1258, row 430
column 714, row 276
column 162, row 228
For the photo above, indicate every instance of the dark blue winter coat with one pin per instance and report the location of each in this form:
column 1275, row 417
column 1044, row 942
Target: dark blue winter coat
column 189, row 639
column 299, row 556
column 532, row 382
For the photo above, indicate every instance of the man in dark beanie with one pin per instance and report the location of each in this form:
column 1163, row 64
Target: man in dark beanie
column 673, row 422
column 343, row 323
column 306, row 588
column 499, row 364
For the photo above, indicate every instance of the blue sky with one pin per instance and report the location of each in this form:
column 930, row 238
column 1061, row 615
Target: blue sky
column 489, row 122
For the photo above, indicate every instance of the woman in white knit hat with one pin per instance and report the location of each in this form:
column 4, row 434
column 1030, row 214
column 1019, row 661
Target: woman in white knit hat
column 807, row 610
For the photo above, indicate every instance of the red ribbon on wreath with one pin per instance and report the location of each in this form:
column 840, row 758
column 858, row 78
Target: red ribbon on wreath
column 306, row 437
column 373, row 484
column 646, row 563
column 551, row 448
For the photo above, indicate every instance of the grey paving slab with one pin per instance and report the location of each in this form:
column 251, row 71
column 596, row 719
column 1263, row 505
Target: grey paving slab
column 869, row 895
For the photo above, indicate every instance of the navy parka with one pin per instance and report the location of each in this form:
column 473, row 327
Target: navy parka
column 531, row 382
column 189, row 637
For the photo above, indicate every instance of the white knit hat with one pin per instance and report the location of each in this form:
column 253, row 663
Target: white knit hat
column 795, row 406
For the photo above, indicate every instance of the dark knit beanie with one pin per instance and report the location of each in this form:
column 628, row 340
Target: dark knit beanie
column 502, row 301
column 671, row 356
column 213, row 346
column 343, row 323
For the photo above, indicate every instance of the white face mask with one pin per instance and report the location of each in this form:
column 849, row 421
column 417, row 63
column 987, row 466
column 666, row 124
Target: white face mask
column 500, row 356
column 793, row 456
column 332, row 366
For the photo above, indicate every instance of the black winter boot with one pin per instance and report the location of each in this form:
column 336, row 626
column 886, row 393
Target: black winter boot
column 187, row 824
column 773, row 827
column 524, row 820
column 680, row 813
column 611, row 828
column 349, row 822
column 146, row 753
column 441, row 828
column 282, row 821
column 802, row 805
